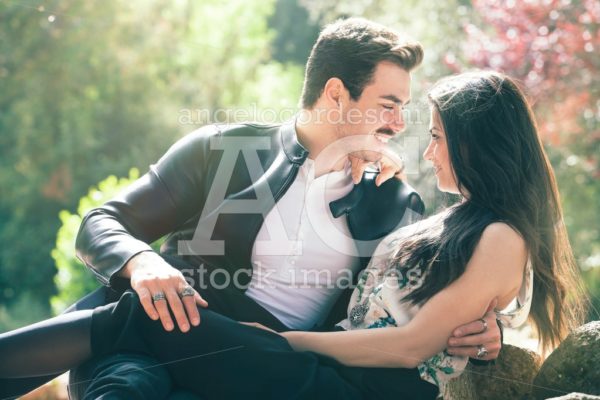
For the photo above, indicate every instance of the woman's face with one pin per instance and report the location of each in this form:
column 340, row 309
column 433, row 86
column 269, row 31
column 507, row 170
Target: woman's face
column 437, row 153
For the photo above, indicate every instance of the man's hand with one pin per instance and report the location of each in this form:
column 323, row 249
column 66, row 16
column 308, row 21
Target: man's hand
column 468, row 339
column 152, row 276
column 387, row 169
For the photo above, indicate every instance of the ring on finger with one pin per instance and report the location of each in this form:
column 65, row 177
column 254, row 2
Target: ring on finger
column 485, row 326
column 158, row 297
column 187, row 291
column 481, row 351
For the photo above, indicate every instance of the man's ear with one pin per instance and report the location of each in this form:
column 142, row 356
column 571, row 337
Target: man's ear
column 334, row 92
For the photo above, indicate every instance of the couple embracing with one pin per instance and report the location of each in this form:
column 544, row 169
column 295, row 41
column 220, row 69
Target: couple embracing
column 252, row 207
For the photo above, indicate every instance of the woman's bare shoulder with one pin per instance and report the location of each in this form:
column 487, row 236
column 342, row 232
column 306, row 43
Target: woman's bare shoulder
column 502, row 238
column 500, row 256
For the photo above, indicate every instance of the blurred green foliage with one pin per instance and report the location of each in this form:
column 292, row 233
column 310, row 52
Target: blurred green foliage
column 90, row 90
column 72, row 280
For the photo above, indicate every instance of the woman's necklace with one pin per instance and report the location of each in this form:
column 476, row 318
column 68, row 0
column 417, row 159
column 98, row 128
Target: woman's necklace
column 358, row 313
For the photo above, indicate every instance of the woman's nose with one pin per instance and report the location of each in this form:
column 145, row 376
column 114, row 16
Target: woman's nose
column 427, row 154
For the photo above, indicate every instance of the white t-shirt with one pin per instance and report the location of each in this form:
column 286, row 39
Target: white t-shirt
column 303, row 257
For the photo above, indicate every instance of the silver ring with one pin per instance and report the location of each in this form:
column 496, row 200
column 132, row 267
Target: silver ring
column 187, row 291
column 483, row 321
column 158, row 297
column 481, row 351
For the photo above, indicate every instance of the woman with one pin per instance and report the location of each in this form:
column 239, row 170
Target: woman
column 506, row 233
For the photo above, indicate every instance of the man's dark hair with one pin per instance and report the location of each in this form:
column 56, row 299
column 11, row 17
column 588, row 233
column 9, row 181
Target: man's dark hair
column 350, row 50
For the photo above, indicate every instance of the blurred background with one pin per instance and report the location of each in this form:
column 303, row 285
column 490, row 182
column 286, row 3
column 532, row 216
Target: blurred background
column 93, row 92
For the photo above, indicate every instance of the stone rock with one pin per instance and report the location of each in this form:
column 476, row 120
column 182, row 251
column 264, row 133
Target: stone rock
column 573, row 367
column 509, row 378
column 576, row 396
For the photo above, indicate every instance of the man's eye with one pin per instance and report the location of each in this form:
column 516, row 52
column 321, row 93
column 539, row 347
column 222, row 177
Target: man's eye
column 387, row 107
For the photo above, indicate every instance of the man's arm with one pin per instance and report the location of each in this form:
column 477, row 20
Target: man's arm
column 113, row 239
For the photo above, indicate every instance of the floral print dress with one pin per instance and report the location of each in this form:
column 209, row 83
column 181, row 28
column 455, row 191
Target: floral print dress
column 377, row 302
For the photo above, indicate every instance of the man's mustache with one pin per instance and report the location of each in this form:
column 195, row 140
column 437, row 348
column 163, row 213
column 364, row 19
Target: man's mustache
column 386, row 131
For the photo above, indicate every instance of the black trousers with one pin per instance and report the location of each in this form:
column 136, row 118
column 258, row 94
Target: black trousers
column 223, row 359
column 219, row 359
column 135, row 376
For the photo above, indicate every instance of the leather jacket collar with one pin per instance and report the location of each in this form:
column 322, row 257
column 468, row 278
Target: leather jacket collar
column 292, row 148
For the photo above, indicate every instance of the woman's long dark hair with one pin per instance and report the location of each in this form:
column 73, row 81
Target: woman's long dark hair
column 502, row 170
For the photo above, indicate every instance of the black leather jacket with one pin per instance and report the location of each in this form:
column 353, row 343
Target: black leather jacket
column 170, row 199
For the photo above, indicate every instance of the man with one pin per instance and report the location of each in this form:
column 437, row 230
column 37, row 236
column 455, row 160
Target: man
column 243, row 206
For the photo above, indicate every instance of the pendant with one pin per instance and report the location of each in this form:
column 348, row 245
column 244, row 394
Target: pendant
column 358, row 313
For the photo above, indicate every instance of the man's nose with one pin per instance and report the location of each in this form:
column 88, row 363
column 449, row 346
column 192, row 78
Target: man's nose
column 397, row 124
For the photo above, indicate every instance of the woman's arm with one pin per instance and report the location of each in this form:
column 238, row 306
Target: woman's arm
column 494, row 271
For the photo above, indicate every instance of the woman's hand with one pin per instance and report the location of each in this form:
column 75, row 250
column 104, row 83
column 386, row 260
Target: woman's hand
column 261, row 326
column 468, row 339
